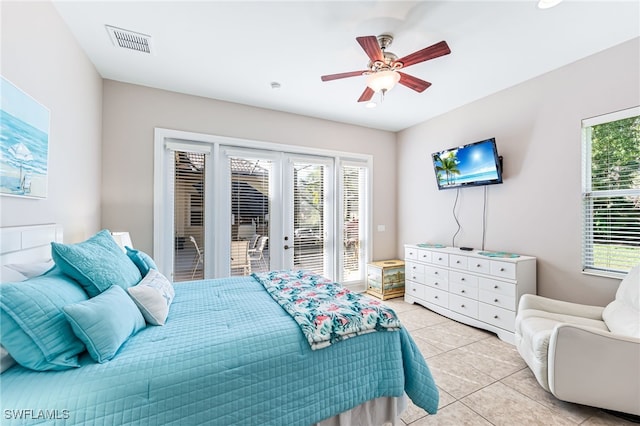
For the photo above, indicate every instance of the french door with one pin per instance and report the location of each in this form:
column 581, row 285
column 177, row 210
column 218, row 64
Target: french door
column 280, row 211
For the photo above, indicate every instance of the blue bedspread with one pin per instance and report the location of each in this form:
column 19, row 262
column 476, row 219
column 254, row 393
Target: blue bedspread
column 228, row 354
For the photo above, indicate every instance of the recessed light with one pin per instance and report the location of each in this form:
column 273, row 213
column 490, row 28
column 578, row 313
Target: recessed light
column 547, row 4
column 275, row 85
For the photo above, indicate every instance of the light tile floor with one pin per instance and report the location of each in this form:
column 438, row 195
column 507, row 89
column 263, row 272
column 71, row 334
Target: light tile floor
column 482, row 380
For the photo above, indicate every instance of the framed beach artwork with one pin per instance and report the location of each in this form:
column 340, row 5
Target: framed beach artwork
column 24, row 143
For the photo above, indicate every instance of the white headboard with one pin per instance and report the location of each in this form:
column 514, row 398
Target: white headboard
column 26, row 244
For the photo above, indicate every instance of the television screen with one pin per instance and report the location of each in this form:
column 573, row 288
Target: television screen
column 469, row 165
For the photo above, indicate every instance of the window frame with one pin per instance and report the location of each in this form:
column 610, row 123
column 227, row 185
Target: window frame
column 167, row 139
column 588, row 195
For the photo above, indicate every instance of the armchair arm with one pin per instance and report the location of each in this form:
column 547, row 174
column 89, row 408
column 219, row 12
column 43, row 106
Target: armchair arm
column 532, row 301
column 595, row 367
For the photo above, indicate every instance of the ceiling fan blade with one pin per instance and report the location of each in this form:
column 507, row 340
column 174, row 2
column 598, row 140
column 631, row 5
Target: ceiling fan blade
column 366, row 95
column 342, row 75
column 371, row 47
column 431, row 52
column 413, row 82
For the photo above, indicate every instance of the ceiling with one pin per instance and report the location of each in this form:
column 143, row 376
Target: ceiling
column 234, row 50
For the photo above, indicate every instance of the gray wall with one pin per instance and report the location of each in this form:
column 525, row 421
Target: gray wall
column 537, row 210
column 132, row 112
column 41, row 57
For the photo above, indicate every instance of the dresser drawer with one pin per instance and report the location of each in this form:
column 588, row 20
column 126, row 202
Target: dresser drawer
column 462, row 278
column 458, row 262
column 411, row 253
column 463, row 306
column 503, row 269
column 498, row 299
column 436, row 282
column 437, row 297
column 496, row 286
column 440, row 258
column 497, row 316
column 414, row 289
column 463, row 290
column 419, row 278
column 424, row 256
column 482, row 266
column 432, row 271
column 414, row 267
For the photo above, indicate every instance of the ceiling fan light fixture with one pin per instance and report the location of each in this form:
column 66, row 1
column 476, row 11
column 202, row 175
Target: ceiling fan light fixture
column 547, row 4
column 382, row 81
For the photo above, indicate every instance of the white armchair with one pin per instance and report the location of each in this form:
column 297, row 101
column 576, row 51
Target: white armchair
column 585, row 354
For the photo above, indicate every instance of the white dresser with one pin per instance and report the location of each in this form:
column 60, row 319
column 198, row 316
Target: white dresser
column 466, row 286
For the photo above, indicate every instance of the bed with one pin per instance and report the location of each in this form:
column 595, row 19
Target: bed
column 227, row 354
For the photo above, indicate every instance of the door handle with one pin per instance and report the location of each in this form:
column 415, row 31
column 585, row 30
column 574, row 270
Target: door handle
column 286, row 247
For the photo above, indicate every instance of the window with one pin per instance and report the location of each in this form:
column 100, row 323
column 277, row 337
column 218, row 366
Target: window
column 353, row 204
column 611, row 192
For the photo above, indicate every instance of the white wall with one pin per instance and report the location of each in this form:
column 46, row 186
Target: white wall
column 132, row 112
column 537, row 210
column 40, row 56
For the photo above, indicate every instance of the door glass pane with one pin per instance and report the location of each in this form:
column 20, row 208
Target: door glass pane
column 309, row 224
column 189, row 191
column 352, row 208
column 249, row 215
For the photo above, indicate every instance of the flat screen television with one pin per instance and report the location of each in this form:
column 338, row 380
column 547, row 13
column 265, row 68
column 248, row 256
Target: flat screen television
column 473, row 164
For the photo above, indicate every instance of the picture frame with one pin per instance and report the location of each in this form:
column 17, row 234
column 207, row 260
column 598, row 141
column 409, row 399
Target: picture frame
column 24, row 143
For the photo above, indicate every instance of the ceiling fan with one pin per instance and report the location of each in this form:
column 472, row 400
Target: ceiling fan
column 382, row 71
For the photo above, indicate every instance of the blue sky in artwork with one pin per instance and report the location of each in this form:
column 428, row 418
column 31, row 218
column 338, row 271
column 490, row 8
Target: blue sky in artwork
column 23, row 107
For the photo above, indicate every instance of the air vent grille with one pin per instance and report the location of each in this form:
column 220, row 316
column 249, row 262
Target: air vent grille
column 130, row 39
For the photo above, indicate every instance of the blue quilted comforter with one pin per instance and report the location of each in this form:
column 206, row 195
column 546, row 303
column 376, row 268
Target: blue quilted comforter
column 228, row 354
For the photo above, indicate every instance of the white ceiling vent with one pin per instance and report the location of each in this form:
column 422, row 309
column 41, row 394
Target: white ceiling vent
column 130, row 39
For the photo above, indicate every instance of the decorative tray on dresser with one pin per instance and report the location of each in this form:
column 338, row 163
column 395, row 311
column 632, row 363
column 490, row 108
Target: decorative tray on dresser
column 479, row 288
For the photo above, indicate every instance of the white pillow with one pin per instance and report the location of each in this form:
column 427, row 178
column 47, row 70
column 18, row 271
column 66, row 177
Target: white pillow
column 5, row 360
column 31, row 270
column 622, row 316
column 153, row 296
column 8, row 275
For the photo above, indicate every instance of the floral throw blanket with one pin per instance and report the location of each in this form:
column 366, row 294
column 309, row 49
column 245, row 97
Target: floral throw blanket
column 325, row 311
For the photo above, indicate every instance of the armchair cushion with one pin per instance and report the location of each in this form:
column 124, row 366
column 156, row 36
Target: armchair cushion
column 534, row 328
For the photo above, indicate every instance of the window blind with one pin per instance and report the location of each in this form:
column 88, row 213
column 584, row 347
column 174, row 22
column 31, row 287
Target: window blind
column 611, row 192
column 309, row 204
column 249, row 214
column 188, row 196
column 353, row 187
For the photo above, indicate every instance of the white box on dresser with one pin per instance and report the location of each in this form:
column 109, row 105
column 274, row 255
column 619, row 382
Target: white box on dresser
column 469, row 287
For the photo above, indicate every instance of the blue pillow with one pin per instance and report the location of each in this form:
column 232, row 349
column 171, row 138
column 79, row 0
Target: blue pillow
column 142, row 260
column 34, row 329
column 97, row 263
column 105, row 322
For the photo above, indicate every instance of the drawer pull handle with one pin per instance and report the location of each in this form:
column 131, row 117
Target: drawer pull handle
column 435, row 273
column 462, row 291
column 462, row 306
column 495, row 286
column 495, row 300
column 414, row 289
column 495, row 317
column 501, row 269
column 457, row 261
column 435, row 297
column 477, row 265
column 439, row 258
column 461, row 279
